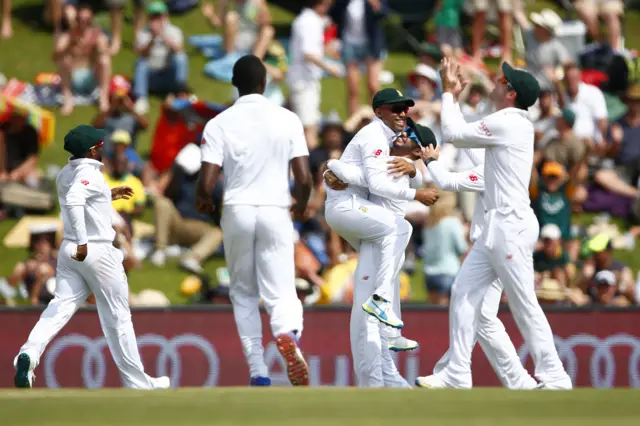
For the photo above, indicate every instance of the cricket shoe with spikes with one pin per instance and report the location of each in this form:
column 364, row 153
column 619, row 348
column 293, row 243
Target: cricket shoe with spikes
column 297, row 368
column 381, row 309
column 431, row 382
column 402, row 344
column 24, row 377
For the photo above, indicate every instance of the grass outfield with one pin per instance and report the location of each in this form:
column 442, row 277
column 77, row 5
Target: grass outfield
column 319, row 406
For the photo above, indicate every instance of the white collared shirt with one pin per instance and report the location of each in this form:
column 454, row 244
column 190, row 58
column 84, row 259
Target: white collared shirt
column 589, row 106
column 85, row 202
column 508, row 137
column 254, row 141
column 370, row 145
column 307, row 38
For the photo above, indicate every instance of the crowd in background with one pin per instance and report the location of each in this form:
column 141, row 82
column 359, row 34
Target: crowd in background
column 587, row 141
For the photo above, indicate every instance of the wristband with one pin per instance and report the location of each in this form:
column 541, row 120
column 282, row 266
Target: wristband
column 429, row 160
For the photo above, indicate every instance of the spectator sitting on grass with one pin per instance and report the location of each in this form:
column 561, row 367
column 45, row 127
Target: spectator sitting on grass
column 121, row 141
column 551, row 197
column 544, row 122
column 247, row 29
column 40, row 266
column 82, row 57
column 552, row 260
column 121, row 114
column 178, row 221
column 566, row 149
column 612, row 272
column 120, row 176
column 19, row 150
column 162, row 64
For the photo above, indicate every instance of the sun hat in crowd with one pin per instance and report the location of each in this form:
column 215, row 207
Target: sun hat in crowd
column 547, row 19
column 550, row 231
column 423, row 70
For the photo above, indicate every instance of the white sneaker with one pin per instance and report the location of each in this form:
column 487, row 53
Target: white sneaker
column 24, row 377
column 381, row 309
column 141, row 106
column 401, row 344
column 529, row 383
column 191, row 265
column 162, row 382
column 431, row 382
column 158, row 258
column 560, row 384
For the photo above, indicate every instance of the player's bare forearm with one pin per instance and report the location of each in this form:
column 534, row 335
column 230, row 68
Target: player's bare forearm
column 209, row 174
column 303, row 183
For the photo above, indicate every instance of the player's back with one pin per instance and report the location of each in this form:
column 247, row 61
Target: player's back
column 255, row 140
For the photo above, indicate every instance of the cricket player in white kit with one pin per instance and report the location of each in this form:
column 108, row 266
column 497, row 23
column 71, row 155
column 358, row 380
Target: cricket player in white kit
column 372, row 360
column 504, row 250
column 492, row 336
column 257, row 143
column 88, row 262
column 350, row 213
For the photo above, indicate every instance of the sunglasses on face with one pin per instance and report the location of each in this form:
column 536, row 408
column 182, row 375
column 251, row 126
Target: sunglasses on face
column 504, row 81
column 398, row 109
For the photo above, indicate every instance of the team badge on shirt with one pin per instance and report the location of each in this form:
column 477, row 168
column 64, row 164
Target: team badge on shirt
column 84, row 182
column 473, row 177
column 363, row 209
column 484, row 129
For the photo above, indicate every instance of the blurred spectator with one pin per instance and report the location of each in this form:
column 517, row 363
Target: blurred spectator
column 6, row 28
column 552, row 195
column 428, row 54
column 610, row 10
column 116, row 10
column 247, row 29
column 363, row 43
column 552, row 260
column 357, row 121
column 124, row 240
column 178, row 221
column 307, row 63
column 121, row 141
column 121, row 114
column 605, row 279
column 40, row 266
column 332, row 141
column 566, row 149
column 162, row 64
column 544, row 51
column 120, row 176
column 427, row 109
column 19, row 151
column 544, row 121
column 444, row 243
column 84, row 64
column 505, row 8
column 624, row 179
column 448, row 32
column 588, row 102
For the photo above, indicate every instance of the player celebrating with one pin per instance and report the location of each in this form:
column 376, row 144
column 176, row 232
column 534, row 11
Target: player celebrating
column 88, row 262
column 352, row 216
column 372, row 360
column 257, row 142
column 492, row 336
column 505, row 248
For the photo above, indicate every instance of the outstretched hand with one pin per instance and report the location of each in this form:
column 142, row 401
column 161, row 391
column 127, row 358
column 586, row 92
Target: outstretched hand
column 121, row 193
column 451, row 76
column 431, row 152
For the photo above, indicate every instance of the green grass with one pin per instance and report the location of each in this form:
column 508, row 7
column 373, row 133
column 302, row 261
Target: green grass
column 319, row 406
column 29, row 52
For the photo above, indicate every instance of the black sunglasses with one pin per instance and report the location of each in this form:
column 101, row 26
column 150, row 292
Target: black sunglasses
column 398, row 108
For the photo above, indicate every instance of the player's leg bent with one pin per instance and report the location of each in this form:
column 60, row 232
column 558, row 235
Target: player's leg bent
column 275, row 273
column 105, row 275
column 238, row 225
column 71, row 292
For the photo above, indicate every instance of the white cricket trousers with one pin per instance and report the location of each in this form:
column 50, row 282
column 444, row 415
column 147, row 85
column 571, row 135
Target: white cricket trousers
column 372, row 361
column 103, row 274
column 496, row 344
column 358, row 221
column 510, row 259
column 258, row 246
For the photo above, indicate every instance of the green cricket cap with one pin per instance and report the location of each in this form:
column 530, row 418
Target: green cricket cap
column 157, row 8
column 390, row 96
column 569, row 116
column 423, row 135
column 524, row 84
column 82, row 138
column 429, row 49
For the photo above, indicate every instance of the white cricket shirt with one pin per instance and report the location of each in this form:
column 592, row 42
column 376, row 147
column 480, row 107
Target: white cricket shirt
column 307, row 38
column 85, row 202
column 369, row 145
column 254, row 141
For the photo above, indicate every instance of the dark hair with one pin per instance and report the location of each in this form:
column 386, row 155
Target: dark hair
column 313, row 3
column 81, row 6
column 249, row 75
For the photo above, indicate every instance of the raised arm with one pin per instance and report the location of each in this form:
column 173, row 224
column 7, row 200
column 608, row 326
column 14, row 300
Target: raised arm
column 480, row 134
column 469, row 181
